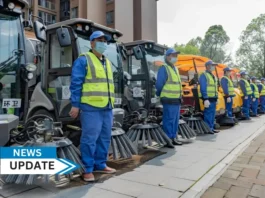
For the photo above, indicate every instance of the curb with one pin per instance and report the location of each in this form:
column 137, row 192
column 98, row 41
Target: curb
column 215, row 173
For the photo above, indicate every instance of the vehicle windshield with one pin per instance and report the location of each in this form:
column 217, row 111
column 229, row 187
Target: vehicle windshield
column 113, row 56
column 154, row 61
column 10, row 41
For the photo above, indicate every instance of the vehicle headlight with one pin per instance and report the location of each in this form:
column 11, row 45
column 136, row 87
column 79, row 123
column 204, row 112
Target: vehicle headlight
column 30, row 76
column 11, row 6
column 31, row 67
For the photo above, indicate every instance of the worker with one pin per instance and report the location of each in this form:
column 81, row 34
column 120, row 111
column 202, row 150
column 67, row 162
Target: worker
column 169, row 89
column 92, row 93
column 255, row 97
column 228, row 91
column 208, row 93
column 247, row 94
column 261, row 87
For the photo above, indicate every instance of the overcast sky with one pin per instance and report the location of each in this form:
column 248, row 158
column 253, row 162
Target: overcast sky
column 181, row 20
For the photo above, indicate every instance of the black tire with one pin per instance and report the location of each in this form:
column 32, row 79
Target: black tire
column 44, row 112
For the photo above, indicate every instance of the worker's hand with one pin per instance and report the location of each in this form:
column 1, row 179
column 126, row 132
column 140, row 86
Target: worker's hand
column 206, row 103
column 254, row 99
column 229, row 100
column 74, row 112
column 246, row 97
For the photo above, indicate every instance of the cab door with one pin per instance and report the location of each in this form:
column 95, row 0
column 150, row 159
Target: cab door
column 58, row 75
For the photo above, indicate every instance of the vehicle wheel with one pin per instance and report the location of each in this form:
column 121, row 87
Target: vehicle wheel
column 44, row 112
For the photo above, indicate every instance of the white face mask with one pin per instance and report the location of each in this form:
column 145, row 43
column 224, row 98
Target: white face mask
column 212, row 68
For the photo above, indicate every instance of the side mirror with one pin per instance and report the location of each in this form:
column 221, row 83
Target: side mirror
column 64, row 37
column 138, row 53
column 26, row 24
column 40, row 31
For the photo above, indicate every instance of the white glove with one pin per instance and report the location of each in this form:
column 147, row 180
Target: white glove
column 206, row 103
column 217, row 101
column 246, row 97
column 229, row 100
column 254, row 99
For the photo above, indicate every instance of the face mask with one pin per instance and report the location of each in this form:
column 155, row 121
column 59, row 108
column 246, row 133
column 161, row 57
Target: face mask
column 228, row 74
column 173, row 60
column 212, row 68
column 100, row 47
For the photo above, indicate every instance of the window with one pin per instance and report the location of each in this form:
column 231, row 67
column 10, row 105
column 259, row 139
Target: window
column 47, row 18
column 108, row 1
column 60, row 56
column 49, row 4
column 74, row 12
column 110, row 17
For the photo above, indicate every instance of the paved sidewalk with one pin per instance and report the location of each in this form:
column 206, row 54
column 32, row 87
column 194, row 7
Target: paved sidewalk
column 245, row 178
column 184, row 172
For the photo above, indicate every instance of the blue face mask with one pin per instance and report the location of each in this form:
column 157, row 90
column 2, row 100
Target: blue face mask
column 100, row 47
column 173, row 60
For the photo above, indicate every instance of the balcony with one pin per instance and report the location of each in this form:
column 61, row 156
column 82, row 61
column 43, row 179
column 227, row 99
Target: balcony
column 48, row 4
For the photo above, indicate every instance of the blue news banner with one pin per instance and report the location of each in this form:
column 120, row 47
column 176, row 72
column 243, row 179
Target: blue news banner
column 33, row 161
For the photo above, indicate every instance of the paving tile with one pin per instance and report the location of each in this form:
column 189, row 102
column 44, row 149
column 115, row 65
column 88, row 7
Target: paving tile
column 123, row 187
column 180, row 185
column 148, row 178
column 258, row 159
column 190, row 194
column 214, row 192
column 158, row 192
column 231, row 174
column 193, row 173
column 107, row 194
column 246, row 166
column 35, row 193
column 80, row 191
column 255, row 163
column 250, row 173
column 235, row 168
column 222, row 185
column 242, row 160
column 177, row 164
column 237, row 192
column 235, row 182
column 12, row 189
column 257, row 191
column 253, row 180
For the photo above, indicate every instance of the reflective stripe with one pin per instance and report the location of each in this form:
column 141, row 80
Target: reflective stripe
column 211, row 85
column 256, row 90
column 169, row 91
column 231, row 90
column 262, row 93
column 98, row 80
column 91, row 66
column 247, row 86
column 97, row 93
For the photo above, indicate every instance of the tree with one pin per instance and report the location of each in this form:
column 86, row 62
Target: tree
column 196, row 42
column 213, row 44
column 187, row 49
column 251, row 53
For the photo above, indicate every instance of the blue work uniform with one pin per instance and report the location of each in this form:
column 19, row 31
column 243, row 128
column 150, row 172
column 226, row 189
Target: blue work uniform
column 262, row 99
column 96, row 122
column 228, row 106
column 246, row 102
column 208, row 113
column 254, row 104
column 171, row 107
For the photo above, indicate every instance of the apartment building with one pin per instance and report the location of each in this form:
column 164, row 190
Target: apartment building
column 136, row 19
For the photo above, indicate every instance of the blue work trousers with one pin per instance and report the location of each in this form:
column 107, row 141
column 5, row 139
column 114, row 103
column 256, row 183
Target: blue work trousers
column 171, row 115
column 254, row 106
column 229, row 107
column 246, row 106
column 209, row 115
column 95, row 138
column 262, row 104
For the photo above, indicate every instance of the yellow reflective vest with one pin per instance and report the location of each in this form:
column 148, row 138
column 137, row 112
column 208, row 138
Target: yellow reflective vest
column 256, row 90
column 231, row 90
column 172, row 88
column 212, row 90
column 98, row 89
column 247, row 86
column 262, row 92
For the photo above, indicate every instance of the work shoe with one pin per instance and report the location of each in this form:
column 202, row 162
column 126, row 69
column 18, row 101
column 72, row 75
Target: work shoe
column 88, row 177
column 211, row 132
column 176, row 142
column 106, row 170
column 169, row 146
column 215, row 131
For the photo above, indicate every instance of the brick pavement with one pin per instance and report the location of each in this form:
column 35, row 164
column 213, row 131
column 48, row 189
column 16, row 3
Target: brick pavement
column 245, row 178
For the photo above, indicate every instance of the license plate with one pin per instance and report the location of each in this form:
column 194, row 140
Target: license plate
column 117, row 101
column 11, row 103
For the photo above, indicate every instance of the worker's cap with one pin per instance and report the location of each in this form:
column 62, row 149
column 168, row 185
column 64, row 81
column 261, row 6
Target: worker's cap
column 243, row 73
column 262, row 79
column 253, row 78
column 227, row 69
column 98, row 34
column 171, row 51
column 210, row 62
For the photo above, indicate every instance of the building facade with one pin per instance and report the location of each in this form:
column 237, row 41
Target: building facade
column 136, row 19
